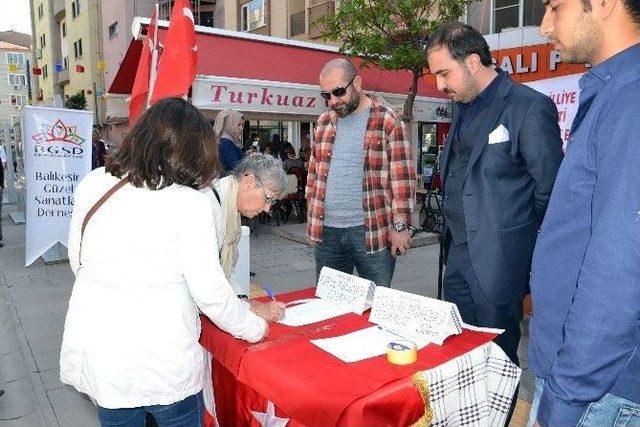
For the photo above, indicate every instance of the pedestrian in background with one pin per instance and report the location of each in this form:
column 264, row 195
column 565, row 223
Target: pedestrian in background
column 584, row 345
column 228, row 127
column 98, row 150
column 141, row 246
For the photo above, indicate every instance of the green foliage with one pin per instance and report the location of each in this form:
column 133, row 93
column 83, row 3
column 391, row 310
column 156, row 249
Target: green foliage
column 390, row 34
column 76, row 102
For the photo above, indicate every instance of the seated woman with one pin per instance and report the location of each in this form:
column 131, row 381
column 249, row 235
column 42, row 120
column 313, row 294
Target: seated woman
column 140, row 246
column 253, row 187
column 290, row 160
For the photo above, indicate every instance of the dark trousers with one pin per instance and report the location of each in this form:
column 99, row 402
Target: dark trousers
column 344, row 248
column 461, row 287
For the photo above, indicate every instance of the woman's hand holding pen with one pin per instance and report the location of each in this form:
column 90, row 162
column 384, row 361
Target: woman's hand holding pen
column 271, row 311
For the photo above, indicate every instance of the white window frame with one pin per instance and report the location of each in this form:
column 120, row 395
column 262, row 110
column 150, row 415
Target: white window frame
column 77, row 49
column 20, row 99
column 244, row 10
column 19, row 56
column 492, row 20
column 75, row 8
column 17, row 79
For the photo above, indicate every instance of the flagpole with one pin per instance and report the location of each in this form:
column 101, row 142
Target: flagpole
column 154, row 56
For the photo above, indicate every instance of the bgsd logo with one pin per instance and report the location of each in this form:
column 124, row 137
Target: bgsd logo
column 57, row 140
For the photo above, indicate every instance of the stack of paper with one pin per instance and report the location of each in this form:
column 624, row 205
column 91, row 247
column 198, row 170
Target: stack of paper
column 339, row 293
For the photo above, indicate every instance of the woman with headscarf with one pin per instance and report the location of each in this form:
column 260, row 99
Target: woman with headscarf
column 228, row 128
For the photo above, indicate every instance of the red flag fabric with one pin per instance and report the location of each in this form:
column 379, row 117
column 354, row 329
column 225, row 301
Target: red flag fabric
column 177, row 67
column 140, row 90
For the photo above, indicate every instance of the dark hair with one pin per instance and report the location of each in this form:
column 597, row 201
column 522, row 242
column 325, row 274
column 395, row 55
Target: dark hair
column 633, row 7
column 172, row 143
column 461, row 40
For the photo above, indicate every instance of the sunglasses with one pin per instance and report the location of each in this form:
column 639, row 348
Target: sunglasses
column 337, row 92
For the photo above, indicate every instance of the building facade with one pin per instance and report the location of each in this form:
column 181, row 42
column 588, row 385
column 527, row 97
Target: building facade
column 67, row 41
column 14, row 83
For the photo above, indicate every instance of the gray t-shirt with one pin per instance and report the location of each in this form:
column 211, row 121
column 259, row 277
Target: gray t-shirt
column 343, row 198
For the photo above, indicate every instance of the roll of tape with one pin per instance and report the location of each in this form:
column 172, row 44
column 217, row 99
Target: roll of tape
column 402, row 352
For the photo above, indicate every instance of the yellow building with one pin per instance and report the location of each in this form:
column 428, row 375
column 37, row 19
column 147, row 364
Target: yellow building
column 67, row 40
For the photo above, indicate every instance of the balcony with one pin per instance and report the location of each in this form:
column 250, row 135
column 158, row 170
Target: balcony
column 316, row 12
column 58, row 10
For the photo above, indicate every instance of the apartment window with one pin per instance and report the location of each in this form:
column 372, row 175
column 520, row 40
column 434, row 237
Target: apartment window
column 17, row 79
column 15, row 58
column 43, row 41
column 45, row 71
column 40, row 11
column 18, row 100
column 63, row 26
column 75, row 8
column 77, row 49
column 206, row 19
column 253, row 15
column 493, row 16
column 65, row 62
column 113, row 30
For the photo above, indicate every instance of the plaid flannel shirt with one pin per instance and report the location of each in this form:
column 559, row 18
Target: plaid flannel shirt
column 389, row 183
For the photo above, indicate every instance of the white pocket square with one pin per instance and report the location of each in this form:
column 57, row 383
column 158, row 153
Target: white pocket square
column 499, row 134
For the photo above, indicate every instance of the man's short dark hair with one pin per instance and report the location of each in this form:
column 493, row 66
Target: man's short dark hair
column 461, row 40
column 172, row 143
column 633, row 7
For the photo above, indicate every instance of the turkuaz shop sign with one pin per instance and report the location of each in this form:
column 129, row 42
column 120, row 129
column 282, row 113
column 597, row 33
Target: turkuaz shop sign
column 219, row 93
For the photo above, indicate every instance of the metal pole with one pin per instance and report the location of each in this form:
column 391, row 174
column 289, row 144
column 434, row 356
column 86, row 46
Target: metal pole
column 95, row 103
column 29, row 81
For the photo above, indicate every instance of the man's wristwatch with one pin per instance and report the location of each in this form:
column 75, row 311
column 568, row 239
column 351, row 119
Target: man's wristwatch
column 402, row 226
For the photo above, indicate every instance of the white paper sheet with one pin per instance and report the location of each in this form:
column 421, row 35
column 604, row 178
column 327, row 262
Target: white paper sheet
column 343, row 288
column 312, row 311
column 360, row 345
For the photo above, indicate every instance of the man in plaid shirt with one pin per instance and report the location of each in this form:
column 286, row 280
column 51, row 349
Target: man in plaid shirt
column 361, row 181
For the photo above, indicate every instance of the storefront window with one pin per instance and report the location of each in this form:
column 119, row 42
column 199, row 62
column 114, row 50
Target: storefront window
column 428, row 133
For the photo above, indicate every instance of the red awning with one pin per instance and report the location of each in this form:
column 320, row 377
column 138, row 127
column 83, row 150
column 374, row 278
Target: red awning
column 234, row 54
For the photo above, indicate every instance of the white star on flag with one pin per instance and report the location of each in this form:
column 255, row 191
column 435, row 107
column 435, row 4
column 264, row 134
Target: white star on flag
column 269, row 418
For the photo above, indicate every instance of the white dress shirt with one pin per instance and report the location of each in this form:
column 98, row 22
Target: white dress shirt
column 149, row 262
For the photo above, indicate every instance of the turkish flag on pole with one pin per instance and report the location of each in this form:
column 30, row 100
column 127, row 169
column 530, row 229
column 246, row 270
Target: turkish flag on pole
column 177, row 68
column 146, row 72
column 140, row 91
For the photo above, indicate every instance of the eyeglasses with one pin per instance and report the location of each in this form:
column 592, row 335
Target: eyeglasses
column 268, row 199
column 337, row 92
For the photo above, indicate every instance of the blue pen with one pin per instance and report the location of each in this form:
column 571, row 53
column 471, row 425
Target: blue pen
column 267, row 289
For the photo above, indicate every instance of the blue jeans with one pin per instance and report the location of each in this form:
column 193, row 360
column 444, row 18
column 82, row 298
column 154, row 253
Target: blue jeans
column 609, row 411
column 185, row 413
column 344, row 248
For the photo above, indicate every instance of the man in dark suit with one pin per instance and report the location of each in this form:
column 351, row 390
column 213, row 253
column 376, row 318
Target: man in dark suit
column 498, row 167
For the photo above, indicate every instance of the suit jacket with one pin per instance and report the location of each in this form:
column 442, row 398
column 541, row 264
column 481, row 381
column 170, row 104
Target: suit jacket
column 507, row 186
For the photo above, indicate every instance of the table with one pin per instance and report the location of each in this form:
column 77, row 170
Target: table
column 286, row 380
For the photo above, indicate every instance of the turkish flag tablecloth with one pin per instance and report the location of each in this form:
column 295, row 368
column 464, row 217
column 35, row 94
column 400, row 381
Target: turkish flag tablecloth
column 286, row 380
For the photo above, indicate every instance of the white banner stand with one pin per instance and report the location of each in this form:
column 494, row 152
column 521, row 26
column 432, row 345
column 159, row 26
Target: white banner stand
column 57, row 155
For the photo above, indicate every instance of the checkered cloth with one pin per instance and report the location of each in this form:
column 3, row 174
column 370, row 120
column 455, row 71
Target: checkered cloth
column 474, row 389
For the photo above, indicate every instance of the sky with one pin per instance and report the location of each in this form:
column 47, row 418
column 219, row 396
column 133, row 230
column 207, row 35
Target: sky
column 17, row 18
